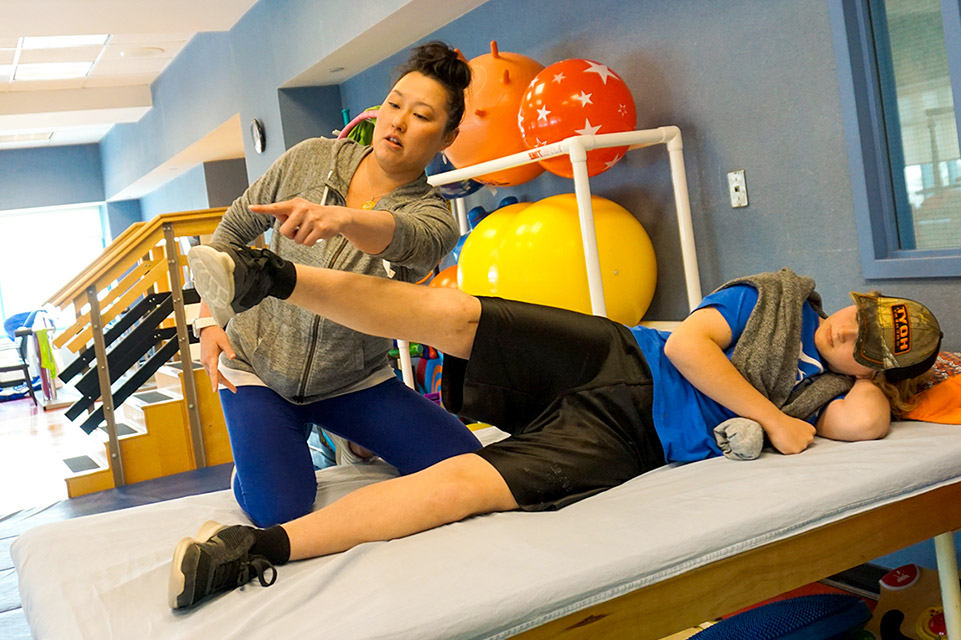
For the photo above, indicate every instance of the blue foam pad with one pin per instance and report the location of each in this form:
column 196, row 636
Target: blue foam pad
column 826, row 616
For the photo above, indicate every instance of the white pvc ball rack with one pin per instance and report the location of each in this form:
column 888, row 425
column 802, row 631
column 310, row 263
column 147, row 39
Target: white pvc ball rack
column 577, row 147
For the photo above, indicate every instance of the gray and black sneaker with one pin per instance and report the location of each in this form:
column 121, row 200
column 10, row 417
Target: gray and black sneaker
column 232, row 278
column 217, row 560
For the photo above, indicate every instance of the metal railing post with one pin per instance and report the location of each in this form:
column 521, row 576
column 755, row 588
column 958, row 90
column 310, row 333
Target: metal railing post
column 106, row 395
column 183, row 340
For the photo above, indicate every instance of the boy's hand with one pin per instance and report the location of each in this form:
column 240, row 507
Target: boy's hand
column 789, row 435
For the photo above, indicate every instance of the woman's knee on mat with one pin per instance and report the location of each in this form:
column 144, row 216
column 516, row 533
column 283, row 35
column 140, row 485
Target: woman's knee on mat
column 266, row 508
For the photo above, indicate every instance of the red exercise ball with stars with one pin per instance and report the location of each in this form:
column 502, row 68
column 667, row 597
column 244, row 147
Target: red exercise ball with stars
column 576, row 97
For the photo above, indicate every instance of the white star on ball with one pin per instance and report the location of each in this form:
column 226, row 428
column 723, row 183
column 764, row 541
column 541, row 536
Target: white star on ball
column 584, row 98
column 588, row 130
column 559, row 77
column 600, row 69
column 542, row 113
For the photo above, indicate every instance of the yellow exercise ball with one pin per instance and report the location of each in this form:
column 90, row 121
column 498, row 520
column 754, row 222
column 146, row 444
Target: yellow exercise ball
column 477, row 272
column 540, row 258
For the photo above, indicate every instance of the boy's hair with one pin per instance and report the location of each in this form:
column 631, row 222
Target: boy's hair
column 901, row 395
column 438, row 61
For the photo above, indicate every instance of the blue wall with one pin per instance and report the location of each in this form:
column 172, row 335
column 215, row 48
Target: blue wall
column 305, row 31
column 752, row 85
column 121, row 214
column 184, row 193
column 218, row 75
column 50, row 176
column 196, row 93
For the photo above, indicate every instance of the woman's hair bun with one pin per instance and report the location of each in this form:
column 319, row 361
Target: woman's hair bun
column 443, row 63
column 440, row 61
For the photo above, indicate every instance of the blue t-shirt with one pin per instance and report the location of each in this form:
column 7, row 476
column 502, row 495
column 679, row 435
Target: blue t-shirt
column 683, row 416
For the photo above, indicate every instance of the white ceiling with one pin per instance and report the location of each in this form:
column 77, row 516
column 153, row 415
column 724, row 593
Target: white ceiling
column 118, row 87
column 145, row 35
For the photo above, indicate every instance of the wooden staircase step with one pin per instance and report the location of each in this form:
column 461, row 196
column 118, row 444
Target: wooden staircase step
column 91, row 470
column 82, row 464
column 168, row 376
column 88, row 473
column 133, row 407
column 161, row 443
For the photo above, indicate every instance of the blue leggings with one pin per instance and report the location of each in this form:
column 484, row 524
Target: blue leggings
column 275, row 479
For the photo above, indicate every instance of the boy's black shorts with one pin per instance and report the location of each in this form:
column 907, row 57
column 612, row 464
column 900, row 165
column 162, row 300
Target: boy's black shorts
column 573, row 390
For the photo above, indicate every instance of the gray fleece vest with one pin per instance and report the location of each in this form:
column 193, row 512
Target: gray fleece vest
column 767, row 352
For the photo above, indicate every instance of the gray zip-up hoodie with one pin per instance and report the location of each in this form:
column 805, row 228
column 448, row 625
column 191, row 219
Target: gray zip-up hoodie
column 767, row 352
column 298, row 354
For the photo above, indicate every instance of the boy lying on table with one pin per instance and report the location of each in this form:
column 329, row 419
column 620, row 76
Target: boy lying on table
column 588, row 403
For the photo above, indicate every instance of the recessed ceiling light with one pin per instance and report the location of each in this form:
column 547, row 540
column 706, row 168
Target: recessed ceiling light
column 58, row 42
column 52, row 70
column 26, row 137
column 141, row 52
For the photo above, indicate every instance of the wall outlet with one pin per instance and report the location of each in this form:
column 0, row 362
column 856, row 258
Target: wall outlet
column 738, row 188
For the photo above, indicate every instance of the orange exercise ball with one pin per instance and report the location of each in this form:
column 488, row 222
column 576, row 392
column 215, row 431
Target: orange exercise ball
column 540, row 259
column 576, row 97
column 489, row 128
column 446, row 278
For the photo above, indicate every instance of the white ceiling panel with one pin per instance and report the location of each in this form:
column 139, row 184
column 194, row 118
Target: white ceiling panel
column 69, row 54
column 145, row 35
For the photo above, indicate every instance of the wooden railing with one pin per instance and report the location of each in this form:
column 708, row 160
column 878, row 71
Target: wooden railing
column 126, row 251
column 146, row 258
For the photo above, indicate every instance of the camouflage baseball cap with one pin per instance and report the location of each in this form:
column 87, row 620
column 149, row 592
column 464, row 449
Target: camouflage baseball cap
column 898, row 336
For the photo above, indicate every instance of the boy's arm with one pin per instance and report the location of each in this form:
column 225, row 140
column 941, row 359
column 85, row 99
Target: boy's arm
column 863, row 414
column 696, row 349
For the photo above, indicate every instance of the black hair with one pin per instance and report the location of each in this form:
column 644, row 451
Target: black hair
column 439, row 61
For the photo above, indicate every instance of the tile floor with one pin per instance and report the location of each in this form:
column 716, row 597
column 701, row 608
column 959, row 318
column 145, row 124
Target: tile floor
column 33, row 444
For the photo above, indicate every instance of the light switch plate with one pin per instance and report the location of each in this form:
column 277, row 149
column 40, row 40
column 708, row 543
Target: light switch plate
column 738, row 188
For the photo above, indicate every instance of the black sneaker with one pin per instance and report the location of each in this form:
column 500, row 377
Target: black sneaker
column 232, row 277
column 217, row 560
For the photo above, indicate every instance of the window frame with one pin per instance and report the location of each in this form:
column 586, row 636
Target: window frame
column 867, row 140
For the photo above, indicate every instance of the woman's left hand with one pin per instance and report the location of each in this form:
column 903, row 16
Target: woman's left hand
column 306, row 222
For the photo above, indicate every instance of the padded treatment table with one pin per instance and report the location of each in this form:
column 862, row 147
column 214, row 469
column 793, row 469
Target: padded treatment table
column 666, row 550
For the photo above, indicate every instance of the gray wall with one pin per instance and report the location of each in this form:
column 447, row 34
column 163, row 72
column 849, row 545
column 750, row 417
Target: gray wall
column 309, row 112
column 186, row 192
column 225, row 181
